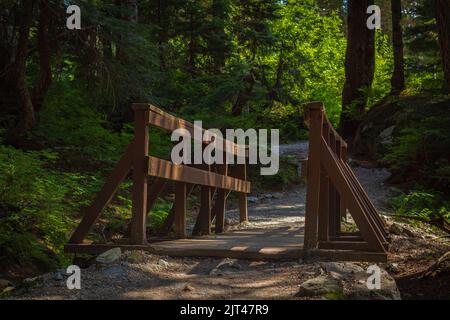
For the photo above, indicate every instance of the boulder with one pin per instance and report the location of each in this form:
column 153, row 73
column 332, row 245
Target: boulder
column 388, row 288
column 224, row 265
column 322, row 285
column 5, row 286
column 396, row 229
column 58, row 276
column 163, row 263
column 109, row 256
column 386, row 135
column 342, row 269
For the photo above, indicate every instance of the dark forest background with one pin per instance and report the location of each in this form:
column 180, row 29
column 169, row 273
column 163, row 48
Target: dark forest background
column 65, row 108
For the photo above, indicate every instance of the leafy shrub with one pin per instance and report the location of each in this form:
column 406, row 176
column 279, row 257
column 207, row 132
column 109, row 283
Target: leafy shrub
column 75, row 129
column 427, row 206
column 158, row 214
column 420, row 152
column 33, row 207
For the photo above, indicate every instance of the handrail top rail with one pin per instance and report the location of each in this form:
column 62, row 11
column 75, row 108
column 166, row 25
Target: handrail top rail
column 169, row 122
column 317, row 105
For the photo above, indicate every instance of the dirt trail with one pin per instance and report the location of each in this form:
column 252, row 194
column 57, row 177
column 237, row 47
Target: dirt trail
column 138, row 275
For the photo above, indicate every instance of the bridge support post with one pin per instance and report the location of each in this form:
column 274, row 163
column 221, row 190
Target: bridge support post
column 140, row 174
column 315, row 118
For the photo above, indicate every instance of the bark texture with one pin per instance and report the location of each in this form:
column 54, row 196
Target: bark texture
column 359, row 66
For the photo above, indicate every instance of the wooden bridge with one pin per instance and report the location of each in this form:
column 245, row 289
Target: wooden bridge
column 333, row 191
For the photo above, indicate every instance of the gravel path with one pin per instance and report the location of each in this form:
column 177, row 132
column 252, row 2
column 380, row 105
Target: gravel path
column 281, row 208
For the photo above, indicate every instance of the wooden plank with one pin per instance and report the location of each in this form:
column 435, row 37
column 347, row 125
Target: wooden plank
column 155, row 189
column 364, row 196
column 152, row 195
column 368, row 230
column 349, row 255
column 164, row 120
column 342, row 205
column 275, row 254
column 203, row 222
column 317, row 105
column 221, row 202
column 216, row 204
column 167, row 170
column 315, row 118
column 180, row 209
column 367, row 205
column 304, row 169
column 347, row 238
column 105, row 195
column 139, row 197
column 334, row 215
column 167, row 225
column 324, row 197
column 241, row 173
column 344, row 245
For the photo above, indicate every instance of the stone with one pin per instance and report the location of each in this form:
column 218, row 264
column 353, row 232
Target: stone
column 410, row 233
column 252, row 199
column 5, row 284
column 109, row 256
column 163, row 263
column 7, row 289
column 32, row 282
column 58, row 276
column 388, row 288
column 394, row 267
column 322, row 285
column 396, row 229
column 342, row 269
column 225, row 264
column 136, row 256
column 188, row 288
column 386, row 135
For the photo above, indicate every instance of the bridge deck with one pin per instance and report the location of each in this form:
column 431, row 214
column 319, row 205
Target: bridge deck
column 281, row 243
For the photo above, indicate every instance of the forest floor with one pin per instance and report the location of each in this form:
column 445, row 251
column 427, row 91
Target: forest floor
column 139, row 275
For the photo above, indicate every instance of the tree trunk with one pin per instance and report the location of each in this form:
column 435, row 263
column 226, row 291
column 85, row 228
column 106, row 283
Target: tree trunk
column 132, row 6
column 244, row 95
column 218, row 40
column 443, row 23
column 359, row 66
column 398, row 77
column 45, row 71
column 27, row 115
column 192, row 46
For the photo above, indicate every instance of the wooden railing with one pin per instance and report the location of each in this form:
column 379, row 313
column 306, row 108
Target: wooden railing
column 216, row 182
column 332, row 191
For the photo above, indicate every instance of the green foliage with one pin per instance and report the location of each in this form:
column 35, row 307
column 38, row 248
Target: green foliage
column 33, row 207
column 158, row 214
column 69, row 125
column 424, row 205
column 304, row 35
column 420, row 150
column 384, row 62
